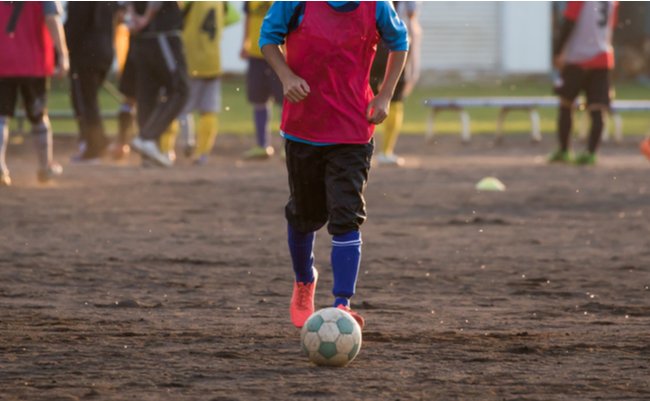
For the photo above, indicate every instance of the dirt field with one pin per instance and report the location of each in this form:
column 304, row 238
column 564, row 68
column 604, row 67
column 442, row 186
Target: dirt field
column 123, row 283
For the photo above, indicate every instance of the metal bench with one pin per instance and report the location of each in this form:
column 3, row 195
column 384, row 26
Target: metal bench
column 528, row 104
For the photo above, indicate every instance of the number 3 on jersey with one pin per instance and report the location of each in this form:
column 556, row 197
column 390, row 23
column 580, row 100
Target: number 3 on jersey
column 209, row 24
column 603, row 10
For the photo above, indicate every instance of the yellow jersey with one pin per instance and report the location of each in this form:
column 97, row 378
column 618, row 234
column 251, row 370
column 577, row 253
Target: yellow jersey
column 255, row 10
column 202, row 27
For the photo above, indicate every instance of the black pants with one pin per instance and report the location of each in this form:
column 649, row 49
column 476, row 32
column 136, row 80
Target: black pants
column 162, row 85
column 33, row 91
column 85, row 83
column 595, row 83
column 327, row 184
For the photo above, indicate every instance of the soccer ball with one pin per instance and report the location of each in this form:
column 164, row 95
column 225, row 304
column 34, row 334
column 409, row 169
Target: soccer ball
column 331, row 337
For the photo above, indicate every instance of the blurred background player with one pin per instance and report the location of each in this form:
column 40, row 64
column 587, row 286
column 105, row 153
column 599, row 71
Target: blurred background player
column 645, row 147
column 262, row 83
column 161, row 85
column 408, row 12
column 29, row 31
column 203, row 23
column 124, row 46
column 328, row 121
column 89, row 35
column 584, row 54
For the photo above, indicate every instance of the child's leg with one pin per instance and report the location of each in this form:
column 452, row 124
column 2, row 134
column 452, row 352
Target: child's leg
column 306, row 212
column 4, row 138
column 167, row 142
column 206, row 133
column 301, row 248
column 187, row 132
column 564, row 125
column 596, row 131
column 126, row 121
column 346, row 178
column 346, row 259
column 42, row 135
column 208, row 102
column 261, row 114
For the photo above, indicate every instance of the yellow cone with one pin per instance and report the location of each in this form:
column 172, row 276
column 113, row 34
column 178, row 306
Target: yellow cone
column 490, row 184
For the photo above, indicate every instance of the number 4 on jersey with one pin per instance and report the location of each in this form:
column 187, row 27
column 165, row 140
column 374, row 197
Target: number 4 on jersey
column 209, row 24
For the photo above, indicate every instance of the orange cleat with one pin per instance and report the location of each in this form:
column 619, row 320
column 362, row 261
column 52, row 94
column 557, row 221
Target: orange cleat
column 302, row 301
column 645, row 147
column 354, row 315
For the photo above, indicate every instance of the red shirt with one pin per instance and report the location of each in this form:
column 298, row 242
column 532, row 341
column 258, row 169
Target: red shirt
column 333, row 51
column 28, row 50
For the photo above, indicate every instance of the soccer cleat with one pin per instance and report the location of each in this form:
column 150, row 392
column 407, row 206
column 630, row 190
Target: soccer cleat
column 302, row 301
column 48, row 174
column 259, row 153
column 81, row 150
column 201, row 160
column 585, row 159
column 149, row 149
column 390, row 160
column 354, row 315
column 645, row 147
column 5, row 180
column 560, row 156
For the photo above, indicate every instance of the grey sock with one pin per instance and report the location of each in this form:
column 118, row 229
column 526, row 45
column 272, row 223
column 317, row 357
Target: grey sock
column 42, row 133
column 4, row 138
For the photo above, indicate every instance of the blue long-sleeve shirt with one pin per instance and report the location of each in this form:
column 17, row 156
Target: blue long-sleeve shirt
column 285, row 16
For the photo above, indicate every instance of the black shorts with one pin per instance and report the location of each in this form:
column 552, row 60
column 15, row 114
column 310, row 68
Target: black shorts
column 33, row 90
column 378, row 70
column 262, row 82
column 128, row 77
column 594, row 82
column 326, row 183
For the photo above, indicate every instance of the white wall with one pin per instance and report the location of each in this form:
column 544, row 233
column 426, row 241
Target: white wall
column 525, row 37
column 231, row 43
column 512, row 37
column 460, row 35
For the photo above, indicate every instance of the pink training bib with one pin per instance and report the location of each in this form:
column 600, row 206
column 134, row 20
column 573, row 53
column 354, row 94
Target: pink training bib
column 333, row 51
column 28, row 50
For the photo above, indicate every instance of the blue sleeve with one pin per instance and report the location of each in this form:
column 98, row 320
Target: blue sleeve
column 391, row 28
column 276, row 23
column 52, row 8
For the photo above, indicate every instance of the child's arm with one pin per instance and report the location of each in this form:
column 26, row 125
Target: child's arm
column 274, row 30
column 55, row 28
column 379, row 105
column 394, row 34
column 295, row 88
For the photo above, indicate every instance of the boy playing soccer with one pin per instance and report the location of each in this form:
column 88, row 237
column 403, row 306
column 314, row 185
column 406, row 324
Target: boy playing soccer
column 30, row 31
column 584, row 54
column 261, row 81
column 408, row 11
column 203, row 25
column 328, row 121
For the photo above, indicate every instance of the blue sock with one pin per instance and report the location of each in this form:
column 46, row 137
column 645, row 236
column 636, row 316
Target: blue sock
column 301, row 248
column 346, row 258
column 261, row 118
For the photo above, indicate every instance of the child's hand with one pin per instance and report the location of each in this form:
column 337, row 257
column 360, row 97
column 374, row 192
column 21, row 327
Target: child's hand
column 377, row 109
column 295, row 88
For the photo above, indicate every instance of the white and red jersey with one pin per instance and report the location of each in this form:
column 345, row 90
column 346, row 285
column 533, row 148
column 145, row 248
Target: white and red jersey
column 590, row 43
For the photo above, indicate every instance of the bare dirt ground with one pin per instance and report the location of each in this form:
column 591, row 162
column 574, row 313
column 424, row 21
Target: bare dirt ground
column 124, row 283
